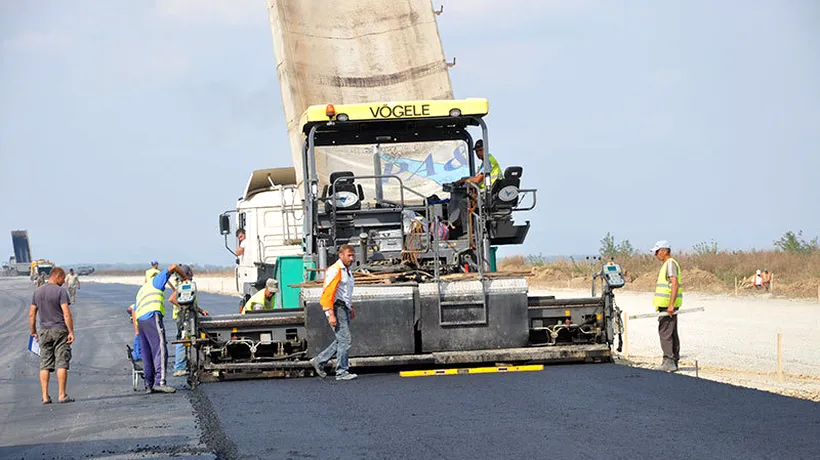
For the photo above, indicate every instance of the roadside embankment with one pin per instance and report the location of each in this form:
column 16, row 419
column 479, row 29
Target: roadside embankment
column 733, row 341
column 794, row 275
column 212, row 284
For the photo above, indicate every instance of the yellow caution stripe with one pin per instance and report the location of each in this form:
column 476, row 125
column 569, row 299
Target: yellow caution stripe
column 473, row 370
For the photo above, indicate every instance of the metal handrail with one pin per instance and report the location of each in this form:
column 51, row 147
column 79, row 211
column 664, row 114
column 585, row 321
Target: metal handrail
column 525, row 192
column 479, row 235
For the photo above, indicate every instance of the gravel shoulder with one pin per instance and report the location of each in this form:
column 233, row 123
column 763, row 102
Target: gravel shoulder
column 733, row 341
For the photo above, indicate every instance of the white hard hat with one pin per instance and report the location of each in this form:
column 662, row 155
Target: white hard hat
column 662, row 244
column 272, row 285
column 758, row 272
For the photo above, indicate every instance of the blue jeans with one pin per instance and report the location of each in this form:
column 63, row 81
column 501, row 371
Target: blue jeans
column 180, row 359
column 341, row 346
column 136, row 352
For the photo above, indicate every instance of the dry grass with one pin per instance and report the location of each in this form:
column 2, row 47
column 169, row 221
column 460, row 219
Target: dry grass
column 795, row 275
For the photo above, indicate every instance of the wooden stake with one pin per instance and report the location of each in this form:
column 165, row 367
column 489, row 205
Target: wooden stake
column 779, row 357
column 626, row 334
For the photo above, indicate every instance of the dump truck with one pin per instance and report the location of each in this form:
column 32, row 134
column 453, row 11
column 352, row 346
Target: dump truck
column 20, row 262
column 383, row 178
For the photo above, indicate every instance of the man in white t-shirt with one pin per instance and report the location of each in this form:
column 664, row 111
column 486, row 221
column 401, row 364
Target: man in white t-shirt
column 240, row 235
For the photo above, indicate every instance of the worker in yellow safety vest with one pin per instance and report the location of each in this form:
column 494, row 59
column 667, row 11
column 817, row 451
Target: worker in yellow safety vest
column 668, row 298
column 148, row 313
column 153, row 271
column 495, row 169
column 262, row 300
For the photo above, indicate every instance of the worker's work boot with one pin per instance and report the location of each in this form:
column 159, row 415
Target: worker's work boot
column 164, row 389
column 318, row 368
column 668, row 366
column 346, row 376
column 180, row 373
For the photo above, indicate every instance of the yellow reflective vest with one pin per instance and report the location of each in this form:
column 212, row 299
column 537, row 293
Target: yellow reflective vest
column 495, row 171
column 150, row 273
column 663, row 288
column 259, row 299
column 149, row 299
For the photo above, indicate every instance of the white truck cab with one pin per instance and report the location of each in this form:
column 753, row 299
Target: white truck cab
column 271, row 213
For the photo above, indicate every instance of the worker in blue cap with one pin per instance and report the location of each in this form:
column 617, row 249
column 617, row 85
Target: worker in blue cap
column 149, row 311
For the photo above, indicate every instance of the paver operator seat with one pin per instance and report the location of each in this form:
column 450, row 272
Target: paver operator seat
column 504, row 193
column 343, row 191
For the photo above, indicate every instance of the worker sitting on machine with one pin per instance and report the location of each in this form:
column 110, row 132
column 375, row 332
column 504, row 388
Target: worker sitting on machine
column 462, row 198
column 495, row 169
column 262, row 300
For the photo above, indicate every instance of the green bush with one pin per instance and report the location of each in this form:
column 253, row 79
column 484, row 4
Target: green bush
column 795, row 243
column 611, row 249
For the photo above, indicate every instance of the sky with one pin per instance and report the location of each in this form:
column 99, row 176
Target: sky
column 127, row 127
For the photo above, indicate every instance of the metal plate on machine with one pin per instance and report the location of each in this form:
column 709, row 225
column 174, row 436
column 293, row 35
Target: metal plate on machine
column 458, row 321
column 389, row 240
column 383, row 326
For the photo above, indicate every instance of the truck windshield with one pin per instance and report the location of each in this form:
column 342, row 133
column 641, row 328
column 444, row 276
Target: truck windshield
column 422, row 166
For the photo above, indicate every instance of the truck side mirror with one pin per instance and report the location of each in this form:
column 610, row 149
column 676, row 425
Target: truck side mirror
column 224, row 224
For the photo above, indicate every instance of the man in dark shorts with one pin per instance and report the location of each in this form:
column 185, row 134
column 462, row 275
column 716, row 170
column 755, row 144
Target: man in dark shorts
column 56, row 332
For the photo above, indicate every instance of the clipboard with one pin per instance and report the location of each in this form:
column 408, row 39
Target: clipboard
column 33, row 345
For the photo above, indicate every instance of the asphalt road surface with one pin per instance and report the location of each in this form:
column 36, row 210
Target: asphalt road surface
column 108, row 419
column 573, row 411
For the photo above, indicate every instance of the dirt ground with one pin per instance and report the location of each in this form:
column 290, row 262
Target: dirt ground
column 733, row 341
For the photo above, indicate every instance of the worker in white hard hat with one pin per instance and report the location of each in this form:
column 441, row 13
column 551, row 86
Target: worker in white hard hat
column 262, row 300
column 757, row 280
column 668, row 298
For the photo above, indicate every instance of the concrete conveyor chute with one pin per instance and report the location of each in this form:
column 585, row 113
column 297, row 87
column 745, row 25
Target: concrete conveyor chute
column 354, row 52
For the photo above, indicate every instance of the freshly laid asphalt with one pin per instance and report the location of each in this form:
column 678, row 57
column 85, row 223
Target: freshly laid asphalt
column 601, row 411
column 108, row 419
